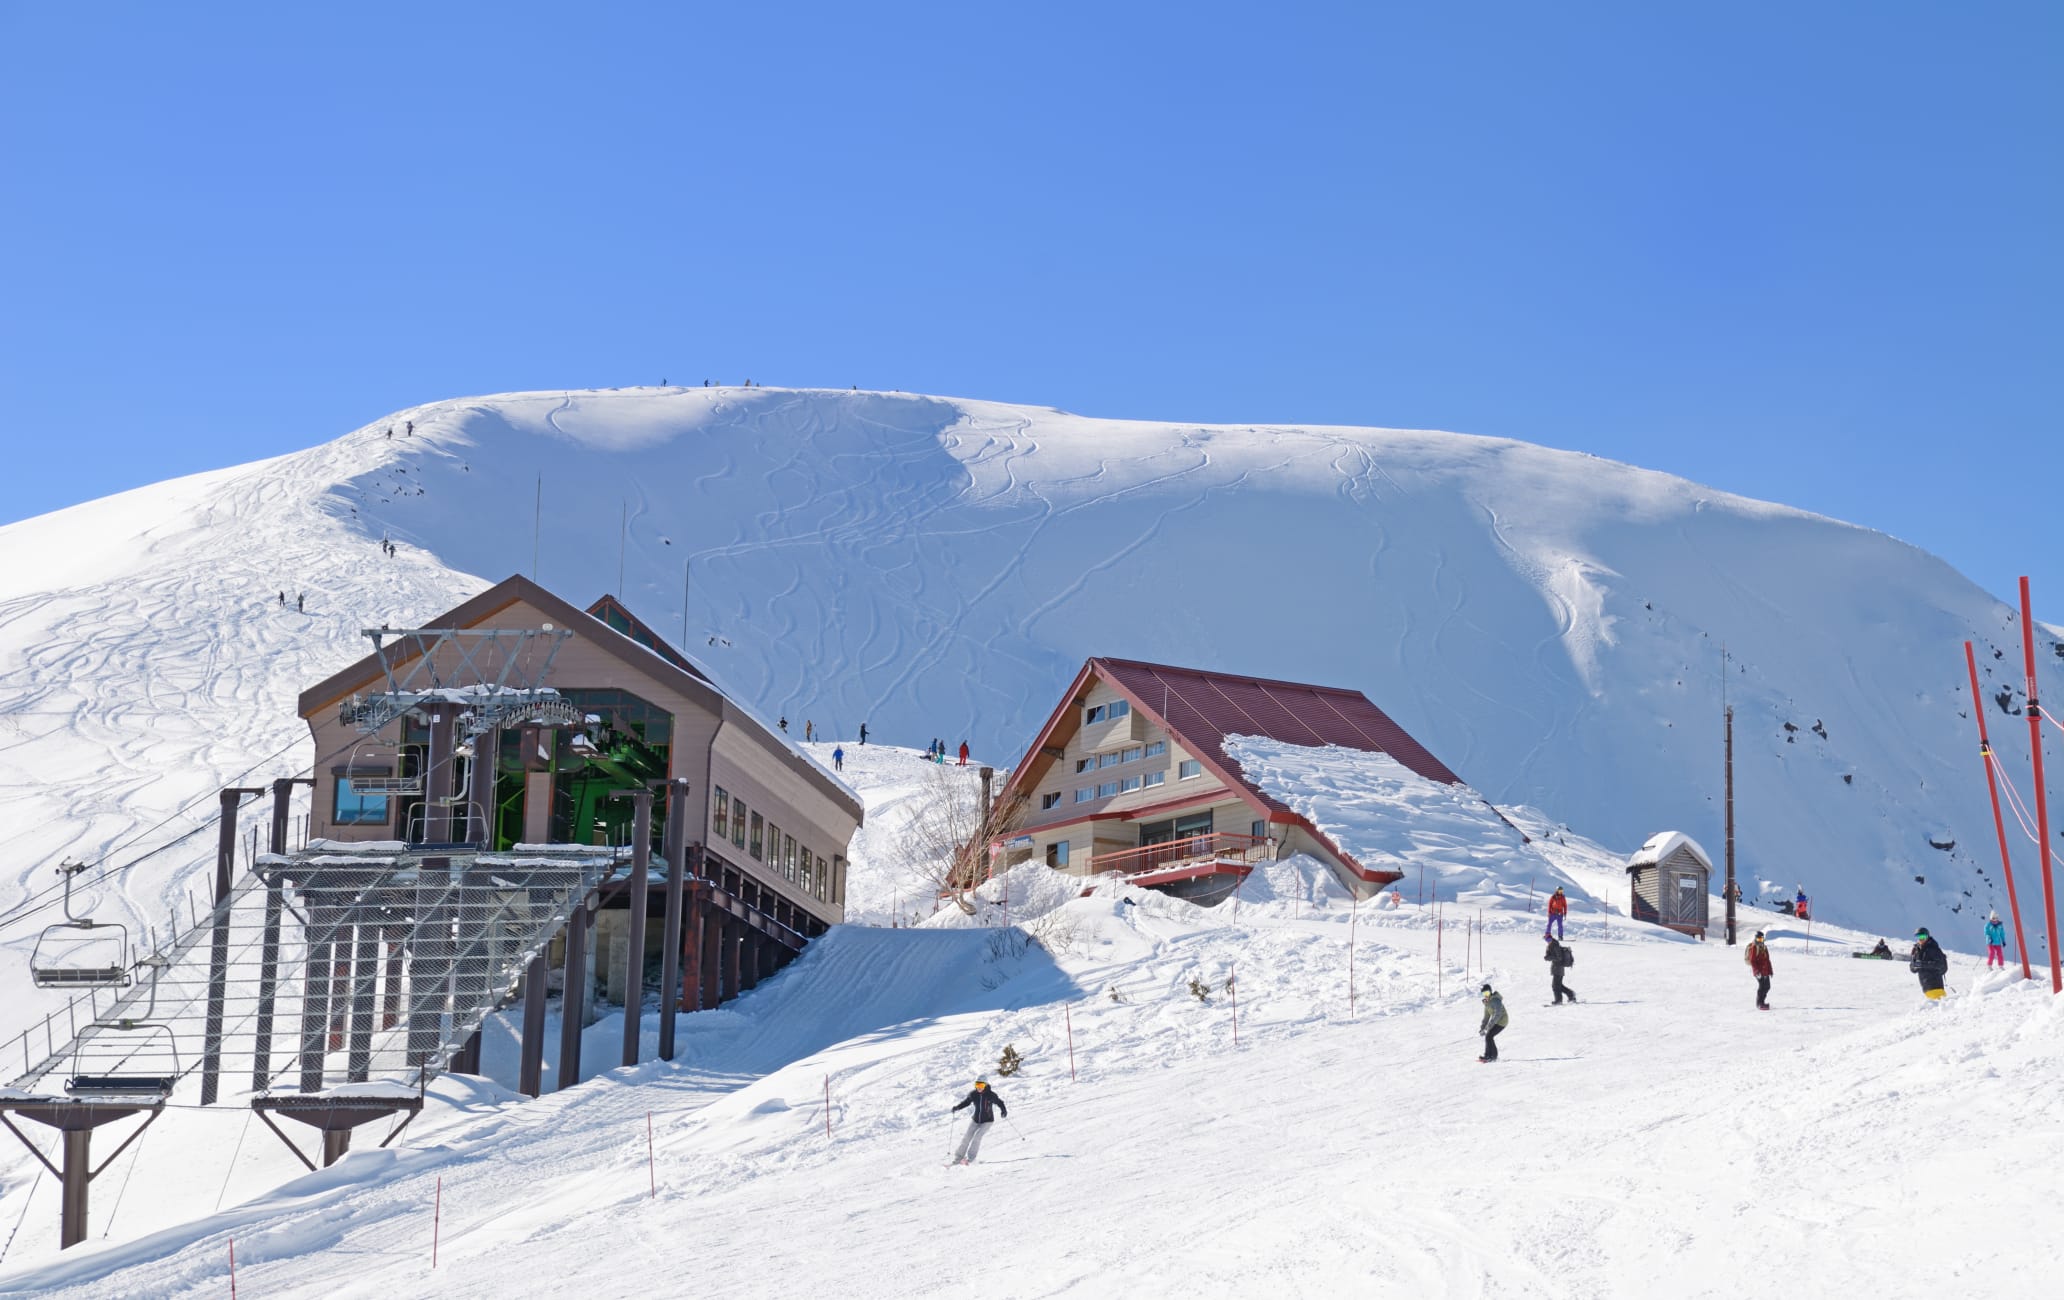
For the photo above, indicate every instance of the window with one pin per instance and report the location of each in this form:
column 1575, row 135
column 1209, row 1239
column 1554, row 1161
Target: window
column 838, row 878
column 720, row 814
column 823, row 878
column 1156, row 748
column 1259, row 830
column 738, row 822
column 758, row 830
column 1109, row 760
column 1129, row 783
column 1085, row 794
column 1047, row 801
column 1107, row 789
column 1153, row 779
column 1108, row 712
column 788, row 856
column 1057, row 854
column 773, row 846
column 1084, row 764
column 1130, row 754
column 356, row 808
column 1188, row 768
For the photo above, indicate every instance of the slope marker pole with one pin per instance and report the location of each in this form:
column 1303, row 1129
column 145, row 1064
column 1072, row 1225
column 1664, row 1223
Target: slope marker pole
column 1069, row 1022
column 2042, row 806
column 436, row 1219
column 1999, row 824
column 651, row 1168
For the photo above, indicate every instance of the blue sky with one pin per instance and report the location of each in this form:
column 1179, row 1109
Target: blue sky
column 1805, row 252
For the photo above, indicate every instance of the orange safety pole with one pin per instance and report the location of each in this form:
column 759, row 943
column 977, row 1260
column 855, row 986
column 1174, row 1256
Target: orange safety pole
column 2042, row 807
column 1999, row 823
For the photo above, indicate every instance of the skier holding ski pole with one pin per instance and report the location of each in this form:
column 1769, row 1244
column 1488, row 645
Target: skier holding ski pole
column 987, row 1107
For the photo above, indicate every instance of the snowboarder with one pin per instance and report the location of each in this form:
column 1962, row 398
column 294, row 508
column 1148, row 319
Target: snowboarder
column 784, row 724
column 390, row 433
column 301, row 603
column 1559, row 959
column 838, row 759
column 1995, row 942
column 1929, row 962
column 984, row 1100
column 1799, row 908
column 1494, row 1022
column 863, row 733
column 1758, row 958
column 1558, row 908
column 963, row 753
column 1883, row 952
column 809, row 729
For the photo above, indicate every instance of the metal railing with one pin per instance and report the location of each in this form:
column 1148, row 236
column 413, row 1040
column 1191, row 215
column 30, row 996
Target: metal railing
column 1213, row 846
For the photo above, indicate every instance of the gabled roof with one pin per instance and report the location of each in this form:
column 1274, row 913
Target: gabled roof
column 1661, row 845
column 649, row 654
column 1199, row 709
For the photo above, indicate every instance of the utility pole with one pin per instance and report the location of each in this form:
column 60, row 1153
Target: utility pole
column 1727, row 718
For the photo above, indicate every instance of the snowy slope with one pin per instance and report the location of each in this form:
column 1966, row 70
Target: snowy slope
column 1269, row 1139
column 1548, row 623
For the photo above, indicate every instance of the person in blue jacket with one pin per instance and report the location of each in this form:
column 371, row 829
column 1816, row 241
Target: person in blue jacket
column 1995, row 943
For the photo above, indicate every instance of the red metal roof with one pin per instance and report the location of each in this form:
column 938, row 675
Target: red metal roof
column 1203, row 708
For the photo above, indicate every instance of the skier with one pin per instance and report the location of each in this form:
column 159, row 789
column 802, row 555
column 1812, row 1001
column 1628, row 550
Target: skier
column 1799, row 905
column 1995, row 942
column 1758, row 958
column 784, row 724
column 411, row 428
column 963, row 753
column 838, row 759
column 301, row 603
column 1559, row 959
column 984, row 1101
column 1929, row 962
column 283, row 598
column 1558, row 908
column 1494, row 1022
column 863, row 733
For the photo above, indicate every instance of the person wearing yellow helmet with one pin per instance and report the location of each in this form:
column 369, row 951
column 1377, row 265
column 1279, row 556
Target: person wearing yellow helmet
column 987, row 1107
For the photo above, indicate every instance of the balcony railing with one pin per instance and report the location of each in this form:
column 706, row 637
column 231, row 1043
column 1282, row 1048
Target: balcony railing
column 1217, row 846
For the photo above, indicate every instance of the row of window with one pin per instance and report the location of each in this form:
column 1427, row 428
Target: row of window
column 1107, row 712
column 1123, row 785
column 810, row 872
column 1152, row 749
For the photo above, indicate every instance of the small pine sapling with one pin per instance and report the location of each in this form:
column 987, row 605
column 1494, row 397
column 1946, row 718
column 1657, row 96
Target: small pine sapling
column 1199, row 989
column 1010, row 1062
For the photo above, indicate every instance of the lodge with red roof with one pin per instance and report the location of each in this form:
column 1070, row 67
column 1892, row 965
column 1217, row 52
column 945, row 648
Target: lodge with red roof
column 1131, row 775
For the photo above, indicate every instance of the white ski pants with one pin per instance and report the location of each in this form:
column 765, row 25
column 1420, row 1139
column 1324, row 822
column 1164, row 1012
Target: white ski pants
column 971, row 1141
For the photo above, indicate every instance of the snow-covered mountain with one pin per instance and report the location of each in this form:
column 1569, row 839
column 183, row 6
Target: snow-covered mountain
column 1548, row 623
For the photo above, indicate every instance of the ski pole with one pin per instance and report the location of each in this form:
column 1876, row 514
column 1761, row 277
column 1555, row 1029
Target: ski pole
column 1014, row 1127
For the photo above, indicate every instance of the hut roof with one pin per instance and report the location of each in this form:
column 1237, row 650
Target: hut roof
column 1661, row 845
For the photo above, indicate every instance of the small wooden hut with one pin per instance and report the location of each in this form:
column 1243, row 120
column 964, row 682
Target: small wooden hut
column 1671, row 875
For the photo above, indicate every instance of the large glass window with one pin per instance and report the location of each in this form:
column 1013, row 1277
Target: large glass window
column 1057, row 854
column 1156, row 748
column 355, row 807
column 720, row 815
column 838, row 878
column 823, row 877
column 1131, row 754
column 759, row 829
column 1154, row 778
column 1107, row 789
column 1112, row 759
column 773, row 846
column 788, row 857
column 1085, row 794
column 738, row 823
column 1188, row 768
column 1129, row 783
column 1108, row 712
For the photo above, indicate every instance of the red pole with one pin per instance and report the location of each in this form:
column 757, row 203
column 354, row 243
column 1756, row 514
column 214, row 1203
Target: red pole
column 1069, row 1021
column 2042, row 807
column 1998, row 823
column 651, row 1169
column 436, row 1217
column 1354, row 915
column 1233, row 989
column 232, row 1268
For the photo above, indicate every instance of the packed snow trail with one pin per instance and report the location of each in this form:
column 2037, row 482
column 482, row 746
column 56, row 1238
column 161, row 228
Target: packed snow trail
column 1662, row 1128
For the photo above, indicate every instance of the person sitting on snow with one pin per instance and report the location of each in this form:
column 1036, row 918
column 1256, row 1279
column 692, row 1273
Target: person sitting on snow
column 1883, row 950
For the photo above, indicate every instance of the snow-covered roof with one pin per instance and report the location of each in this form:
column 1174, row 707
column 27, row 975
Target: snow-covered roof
column 1662, row 844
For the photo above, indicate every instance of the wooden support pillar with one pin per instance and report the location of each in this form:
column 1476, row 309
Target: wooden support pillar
column 675, row 842
column 530, row 1074
column 573, row 1001
column 734, row 945
column 691, row 953
column 710, row 938
column 78, row 1176
column 634, row 930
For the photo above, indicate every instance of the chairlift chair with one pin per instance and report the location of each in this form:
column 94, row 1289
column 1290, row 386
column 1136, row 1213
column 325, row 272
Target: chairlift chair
column 80, row 952
column 158, row 1042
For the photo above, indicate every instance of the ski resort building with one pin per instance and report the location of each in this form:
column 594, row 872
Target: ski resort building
column 605, row 708
column 1670, row 876
column 1130, row 775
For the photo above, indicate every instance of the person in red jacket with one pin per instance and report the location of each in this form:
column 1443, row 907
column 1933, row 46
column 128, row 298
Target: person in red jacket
column 1758, row 958
column 963, row 753
column 1558, row 908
